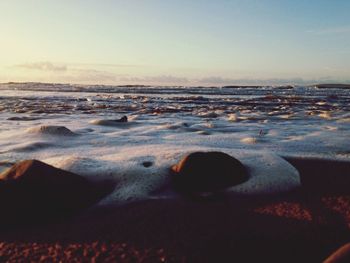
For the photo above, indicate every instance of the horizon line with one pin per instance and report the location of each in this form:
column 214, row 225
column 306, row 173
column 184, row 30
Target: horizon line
column 207, row 86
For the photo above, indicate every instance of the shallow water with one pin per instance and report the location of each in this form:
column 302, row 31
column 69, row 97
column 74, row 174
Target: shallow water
column 300, row 121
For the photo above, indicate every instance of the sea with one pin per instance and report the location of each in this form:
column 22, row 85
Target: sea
column 76, row 127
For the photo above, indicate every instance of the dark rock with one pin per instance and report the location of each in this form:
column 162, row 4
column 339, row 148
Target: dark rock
column 22, row 118
column 122, row 119
column 342, row 255
column 208, row 172
column 32, row 190
column 147, row 164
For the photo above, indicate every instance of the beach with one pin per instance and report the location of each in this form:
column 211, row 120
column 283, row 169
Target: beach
column 293, row 142
column 306, row 225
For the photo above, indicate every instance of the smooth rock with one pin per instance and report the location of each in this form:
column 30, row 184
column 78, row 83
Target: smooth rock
column 33, row 190
column 122, row 119
column 342, row 255
column 121, row 123
column 208, row 172
column 52, row 130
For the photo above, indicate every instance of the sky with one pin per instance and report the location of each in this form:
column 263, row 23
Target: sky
column 167, row 42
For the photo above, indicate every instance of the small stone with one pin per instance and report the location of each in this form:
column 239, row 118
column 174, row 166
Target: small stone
column 123, row 119
column 147, row 164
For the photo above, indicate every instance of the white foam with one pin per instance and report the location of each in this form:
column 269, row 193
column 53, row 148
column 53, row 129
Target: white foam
column 344, row 120
column 117, row 152
column 32, row 146
column 325, row 115
column 233, row 117
column 249, row 140
column 269, row 174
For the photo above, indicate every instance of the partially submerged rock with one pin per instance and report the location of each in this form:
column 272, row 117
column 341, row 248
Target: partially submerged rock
column 122, row 119
column 208, row 172
column 122, row 122
column 52, row 130
column 24, row 118
column 33, row 190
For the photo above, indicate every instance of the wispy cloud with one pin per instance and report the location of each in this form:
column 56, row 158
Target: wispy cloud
column 44, row 66
column 107, row 65
column 161, row 79
column 88, row 74
column 57, row 72
column 217, row 80
column 330, row 30
column 222, row 81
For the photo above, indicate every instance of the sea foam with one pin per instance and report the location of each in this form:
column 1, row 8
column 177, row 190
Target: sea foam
column 256, row 125
column 269, row 174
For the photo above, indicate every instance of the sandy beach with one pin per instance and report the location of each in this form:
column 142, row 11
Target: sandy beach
column 306, row 225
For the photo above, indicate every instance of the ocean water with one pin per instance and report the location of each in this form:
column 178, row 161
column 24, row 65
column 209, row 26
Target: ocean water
column 256, row 124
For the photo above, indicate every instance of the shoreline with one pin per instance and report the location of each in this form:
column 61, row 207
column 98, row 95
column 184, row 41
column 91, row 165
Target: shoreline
column 305, row 225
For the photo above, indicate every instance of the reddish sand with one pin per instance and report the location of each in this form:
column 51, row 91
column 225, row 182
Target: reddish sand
column 78, row 252
column 304, row 226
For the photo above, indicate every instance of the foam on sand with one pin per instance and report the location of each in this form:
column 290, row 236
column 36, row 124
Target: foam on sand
column 249, row 140
column 269, row 173
column 325, row 115
column 32, row 146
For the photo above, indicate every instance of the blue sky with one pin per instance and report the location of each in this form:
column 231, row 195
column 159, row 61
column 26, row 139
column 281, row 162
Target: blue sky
column 175, row 42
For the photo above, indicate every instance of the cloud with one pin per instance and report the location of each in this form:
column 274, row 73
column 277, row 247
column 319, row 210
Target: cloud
column 221, row 81
column 43, row 66
column 330, row 30
column 161, row 79
column 51, row 72
column 106, row 65
column 90, row 76
column 217, row 80
column 75, row 73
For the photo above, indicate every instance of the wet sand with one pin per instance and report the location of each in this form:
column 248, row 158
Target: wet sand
column 304, row 226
